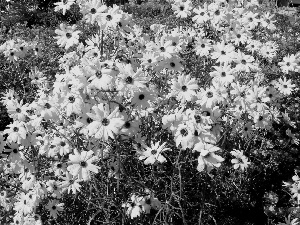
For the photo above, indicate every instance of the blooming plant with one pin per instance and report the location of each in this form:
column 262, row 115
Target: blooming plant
column 133, row 112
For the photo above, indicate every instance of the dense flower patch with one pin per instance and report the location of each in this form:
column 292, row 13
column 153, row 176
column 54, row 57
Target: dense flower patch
column 151, row 126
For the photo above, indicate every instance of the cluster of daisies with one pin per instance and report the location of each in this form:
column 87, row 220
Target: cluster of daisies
column 19, row 49
column 104, row 96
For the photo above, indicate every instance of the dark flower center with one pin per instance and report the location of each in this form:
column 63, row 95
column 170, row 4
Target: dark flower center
column 127, row 125
column 105, row 122
column 68, row 35
column 184, row 132
column 206, row 113
column 223, row 52
column 202, row 45
column 153, row 152
column 196, row 133
column 59, row 165
column 162, row 49
column 16, row 129
column 47, row 106
column 141, row 96
column 83, row 164
column 172, row 64
column 260, row 118
column 244, row 61
column 98, row 74
column 184, row 88
column 71, row 99
column 15, row 151
column 181, row 8
column 18, row 110
column 89, row 120
column 129, row 80
column 54, row 207
column 198, row 118
column 202, row 14
column 62, row 143
column 238, row 36
column 209, row 94
column 108, row 17
column 93, row 10
column 223, row 74
column 149, row 60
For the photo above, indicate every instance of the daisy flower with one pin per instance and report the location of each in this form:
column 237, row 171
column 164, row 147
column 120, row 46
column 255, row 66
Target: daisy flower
column 203, row 46
column 262, row 120
column 67, row 36
column 240, row 160
column 11, row 54
column 130, row 81
column 244, row 62
column 111, row 18
column 16, row 132
column 224, row 74
column 149, row 59
column 257, row 99
column 207, row 159
column 184, row 135
column 153, row 153
column 17, row 110
column 182, row 9
column 70, row 183
column 223, row 53
column 184, row 88
column 239, row 36
column 22, row 205
column 7, row 97
column 81, row 165
column 201, row 16
column 285, row 86
column 208, row 97
column 54, row 207
column 105, row 124
column 92, row 10
column 289, row 63
column 142, row 99
column 131, row 127
column 62, row 144
column 93, row 42
column 53, row 187
column 172, row 63
column 73, row 103
column 247, row 130
column 63, row 5
column 162, row 46
column 134, row 209
column 253, row 46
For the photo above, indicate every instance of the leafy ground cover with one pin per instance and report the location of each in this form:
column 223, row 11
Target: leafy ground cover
column 155, row 113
